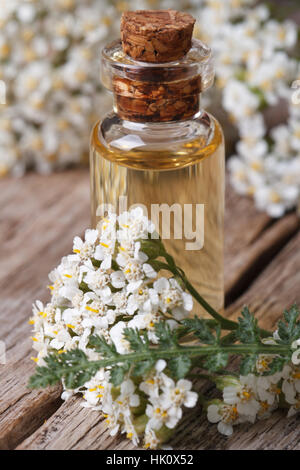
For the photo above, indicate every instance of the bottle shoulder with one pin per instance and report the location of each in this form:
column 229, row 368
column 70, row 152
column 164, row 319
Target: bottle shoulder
column 158, row 146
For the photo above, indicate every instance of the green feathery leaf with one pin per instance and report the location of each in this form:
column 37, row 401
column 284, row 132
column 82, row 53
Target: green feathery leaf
column 248, row 331
column 73, row 366
column 167, row 338
column 289, row 328
column 248, row 364
column 216, row 361
column 203, row 329
column 179, row 366
column 143, row 367
column 137, row 343
column 117, row 374
column 100, row 345
column 277, row 365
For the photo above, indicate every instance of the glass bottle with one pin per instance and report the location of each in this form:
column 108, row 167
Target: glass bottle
column 160, row 150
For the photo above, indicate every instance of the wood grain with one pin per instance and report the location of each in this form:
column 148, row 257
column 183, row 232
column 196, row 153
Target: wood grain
column 39, row 216
column 22, row 411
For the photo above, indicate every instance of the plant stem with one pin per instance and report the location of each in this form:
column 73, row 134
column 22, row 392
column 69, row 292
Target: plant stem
column 191, row 351
column 228, row 339
column 224, row 322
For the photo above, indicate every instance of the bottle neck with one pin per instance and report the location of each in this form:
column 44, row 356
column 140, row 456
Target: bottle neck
column 157, row 92
column 129, row 135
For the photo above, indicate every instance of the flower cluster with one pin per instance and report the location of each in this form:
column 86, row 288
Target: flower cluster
column 48, row 63
column 251, row 397
column 255, row 396
column 107, row 285
column 255, row 71
column 119, row 331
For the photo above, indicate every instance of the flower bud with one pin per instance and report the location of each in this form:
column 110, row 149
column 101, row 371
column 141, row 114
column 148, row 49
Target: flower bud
column 152, row 248
column 214, row 401
column 139, row 410
column 164, row 434
column 140, row 423
column 226, row 381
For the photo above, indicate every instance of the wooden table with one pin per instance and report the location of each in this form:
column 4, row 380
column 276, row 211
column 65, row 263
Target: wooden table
column 39, row 216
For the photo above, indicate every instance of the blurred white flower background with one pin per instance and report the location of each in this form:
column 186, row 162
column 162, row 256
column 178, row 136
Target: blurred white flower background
column 49, row 62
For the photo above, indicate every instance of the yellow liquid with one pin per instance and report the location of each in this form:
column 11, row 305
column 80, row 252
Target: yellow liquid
column 191, row 173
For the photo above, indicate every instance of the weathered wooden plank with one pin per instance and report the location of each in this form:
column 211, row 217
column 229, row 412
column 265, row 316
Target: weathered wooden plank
column 37, row 224
column 47, row 213
column 274, row 290
column 22, row 411
column 243, row 223
column 243, row 267
column 65, row 429
column 275, row 433
column 75, row 428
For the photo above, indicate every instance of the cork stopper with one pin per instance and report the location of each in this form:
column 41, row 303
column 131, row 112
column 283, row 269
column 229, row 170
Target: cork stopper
column 152, row 102
column 156, row 36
